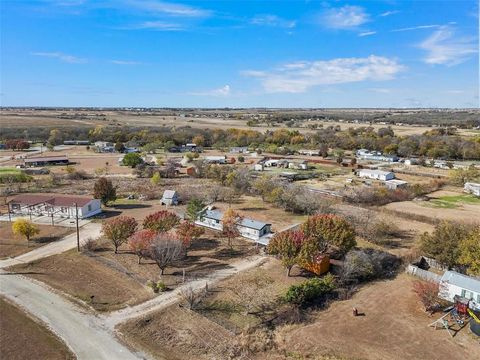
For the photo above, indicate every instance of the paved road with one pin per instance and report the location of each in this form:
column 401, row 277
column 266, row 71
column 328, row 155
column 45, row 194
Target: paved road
column 170, row 298
column 82, row 332
column 68, row 242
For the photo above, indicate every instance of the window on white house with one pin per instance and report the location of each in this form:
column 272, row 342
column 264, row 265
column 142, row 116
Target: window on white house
column 89, row 208
column 467, row 294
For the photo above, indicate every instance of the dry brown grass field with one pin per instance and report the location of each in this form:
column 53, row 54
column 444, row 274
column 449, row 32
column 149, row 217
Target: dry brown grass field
column 13, row 245
column 206, row 119
column 22, row 337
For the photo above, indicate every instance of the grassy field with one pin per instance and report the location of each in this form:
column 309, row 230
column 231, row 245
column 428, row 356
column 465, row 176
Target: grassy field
column 23, row 338
column 454, row 201
column 13, row 175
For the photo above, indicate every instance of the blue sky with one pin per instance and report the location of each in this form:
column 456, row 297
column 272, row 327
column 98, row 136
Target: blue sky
column 239, row 53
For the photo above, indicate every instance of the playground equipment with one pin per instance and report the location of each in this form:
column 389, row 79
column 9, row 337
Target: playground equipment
column 457, row 315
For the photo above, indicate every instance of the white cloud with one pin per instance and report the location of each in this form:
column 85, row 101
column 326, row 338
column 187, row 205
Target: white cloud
column 381, row 90
column 273, row 20
column 346, row 17
column 125, row 62
column 367, row 33
column 170, row 9
column 223, row 91
column 159, row 26
column 301, row 76
column 62, row 57
column 388, row 13
column 419, row 27
column 443, row 47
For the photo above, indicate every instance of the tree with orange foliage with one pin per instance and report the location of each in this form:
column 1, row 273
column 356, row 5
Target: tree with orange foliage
column 188, row 232
column 161, row 221
column 119, row 229
column 231, row 220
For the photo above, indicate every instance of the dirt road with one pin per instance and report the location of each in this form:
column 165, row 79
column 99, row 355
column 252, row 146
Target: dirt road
column 90, row 230
column 169, row 298
column 82, row 332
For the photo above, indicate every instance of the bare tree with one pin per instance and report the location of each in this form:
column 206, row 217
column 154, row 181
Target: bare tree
column 165, row 250
column 192, row 297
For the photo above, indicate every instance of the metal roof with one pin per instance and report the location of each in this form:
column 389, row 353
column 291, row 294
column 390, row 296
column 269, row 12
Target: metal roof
column 250, row 223
column 169, row 194
column 55, row 200
column 48, row 158
column 463, row 281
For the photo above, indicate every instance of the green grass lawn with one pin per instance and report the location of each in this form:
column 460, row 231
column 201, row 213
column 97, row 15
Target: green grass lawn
column 453, row 201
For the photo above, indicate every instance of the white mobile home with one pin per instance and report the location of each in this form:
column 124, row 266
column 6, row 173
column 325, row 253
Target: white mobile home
column 248, row 228
column 63, row 206
column 376, row 174
column 455, row 284
column 472, row 188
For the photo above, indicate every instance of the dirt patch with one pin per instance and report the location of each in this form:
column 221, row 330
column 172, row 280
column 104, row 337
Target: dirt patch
column 82, row 277
column 13, row 245
column 21, row 337
column 394, row 327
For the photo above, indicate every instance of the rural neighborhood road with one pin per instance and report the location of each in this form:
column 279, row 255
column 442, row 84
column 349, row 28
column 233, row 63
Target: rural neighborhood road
column 82, row 332
column 91, row 336
column 68, row 242
column 169, row 298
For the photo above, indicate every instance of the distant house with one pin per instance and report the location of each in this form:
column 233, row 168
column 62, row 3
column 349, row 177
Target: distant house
column 65, row 206
column 395, row 184
column 455, row 284
column 271, row 162
column 472, row 188
column 215, row 159
column 299, row 165
column 411, row 161
column 47, row 160
column 104, row 146
column 309, row 152
column 376, row 174
column 170, row 197
column 239, row 150
column 76, row 142
column 258, row 167
column 248, row 228
column 365, row 154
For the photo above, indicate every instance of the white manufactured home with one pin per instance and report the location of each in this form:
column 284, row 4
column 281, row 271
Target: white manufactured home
column 376, row 174
column 472, row 188
column 248, row 228
column 454, row 284
column 55, row 205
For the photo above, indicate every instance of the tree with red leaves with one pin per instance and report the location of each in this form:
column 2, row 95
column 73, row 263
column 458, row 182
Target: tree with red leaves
column 119, row 229
column 161, row 221
column 330, row 231
column 140, row 242
column 188, row 232
column 427, row 292
column 231, row 220
column 287, row 245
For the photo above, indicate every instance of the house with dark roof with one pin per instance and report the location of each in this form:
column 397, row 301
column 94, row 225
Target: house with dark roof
column 64, row 206
column 46, row 160
column 248, row 228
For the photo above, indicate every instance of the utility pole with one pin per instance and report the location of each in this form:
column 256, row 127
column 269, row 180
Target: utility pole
column 78, row 233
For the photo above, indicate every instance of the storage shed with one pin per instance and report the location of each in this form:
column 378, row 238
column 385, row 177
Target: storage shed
column 170, row 197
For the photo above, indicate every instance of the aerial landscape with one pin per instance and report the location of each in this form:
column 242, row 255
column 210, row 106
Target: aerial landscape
column 239, row 180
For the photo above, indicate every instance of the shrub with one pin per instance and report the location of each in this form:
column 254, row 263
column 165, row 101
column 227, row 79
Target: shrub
column 89, row 245
column 368, row 264
column 427, row 292
column 158, row 286
column 310, row 290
